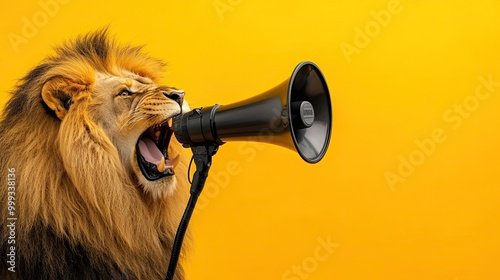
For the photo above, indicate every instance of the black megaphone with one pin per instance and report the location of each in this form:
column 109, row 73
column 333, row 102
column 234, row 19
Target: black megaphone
column 296, row 114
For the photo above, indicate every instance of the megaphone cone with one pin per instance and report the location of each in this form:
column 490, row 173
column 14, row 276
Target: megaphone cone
column 296, row 114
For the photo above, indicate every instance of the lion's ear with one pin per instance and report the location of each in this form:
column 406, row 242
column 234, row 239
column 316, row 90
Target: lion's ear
column 58, row 93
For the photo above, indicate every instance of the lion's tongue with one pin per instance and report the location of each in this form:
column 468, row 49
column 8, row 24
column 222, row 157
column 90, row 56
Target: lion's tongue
column 149, row 151
column 152, row 154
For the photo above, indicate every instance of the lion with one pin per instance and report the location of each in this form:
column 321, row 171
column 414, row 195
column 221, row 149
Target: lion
column 99, row 181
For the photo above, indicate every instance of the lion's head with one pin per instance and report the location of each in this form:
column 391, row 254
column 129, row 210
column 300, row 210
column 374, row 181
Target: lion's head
column 98, row 172
column 112, row 96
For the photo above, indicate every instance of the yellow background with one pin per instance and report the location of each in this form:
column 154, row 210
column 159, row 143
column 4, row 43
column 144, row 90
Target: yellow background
column 265, row 211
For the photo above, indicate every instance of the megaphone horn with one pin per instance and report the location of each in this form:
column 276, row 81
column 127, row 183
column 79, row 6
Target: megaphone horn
column 296, row 114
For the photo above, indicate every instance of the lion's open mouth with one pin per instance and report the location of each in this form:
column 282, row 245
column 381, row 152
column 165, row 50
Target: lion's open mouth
column 152, row 155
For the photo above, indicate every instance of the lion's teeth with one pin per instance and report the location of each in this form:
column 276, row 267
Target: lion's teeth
column 161, row 165
column 157, row 134
column 171, row 163
column 170, row 122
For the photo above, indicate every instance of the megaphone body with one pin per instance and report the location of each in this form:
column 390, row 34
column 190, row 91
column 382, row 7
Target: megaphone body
column 296, row 114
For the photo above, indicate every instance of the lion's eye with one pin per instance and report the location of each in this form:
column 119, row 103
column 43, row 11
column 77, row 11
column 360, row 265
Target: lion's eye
column 125, row 92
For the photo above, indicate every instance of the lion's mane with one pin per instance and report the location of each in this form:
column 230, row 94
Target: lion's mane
column 81, row 218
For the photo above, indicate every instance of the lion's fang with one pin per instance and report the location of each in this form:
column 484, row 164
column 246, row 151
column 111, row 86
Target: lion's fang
column 161, row 165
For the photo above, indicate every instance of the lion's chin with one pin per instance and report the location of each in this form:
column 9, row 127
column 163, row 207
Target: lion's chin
column 160, row 188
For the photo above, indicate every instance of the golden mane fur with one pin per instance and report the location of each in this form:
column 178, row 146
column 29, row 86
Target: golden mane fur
column 81, row 212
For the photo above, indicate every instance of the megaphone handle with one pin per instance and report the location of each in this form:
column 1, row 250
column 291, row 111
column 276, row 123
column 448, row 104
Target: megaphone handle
column 202, row 156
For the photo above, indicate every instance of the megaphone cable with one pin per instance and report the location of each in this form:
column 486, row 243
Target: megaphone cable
column 202, row 156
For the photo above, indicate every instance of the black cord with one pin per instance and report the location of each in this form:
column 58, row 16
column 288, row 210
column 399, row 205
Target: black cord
column 179, row 236
column 202, row 156
column 189, row 170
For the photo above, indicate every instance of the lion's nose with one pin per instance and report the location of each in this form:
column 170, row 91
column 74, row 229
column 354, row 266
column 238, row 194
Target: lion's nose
column 176, row 95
